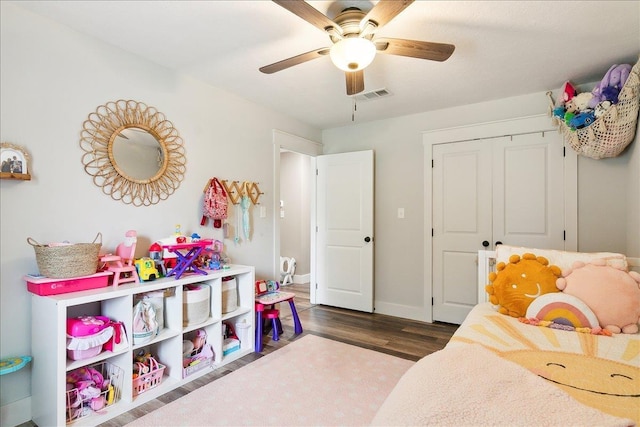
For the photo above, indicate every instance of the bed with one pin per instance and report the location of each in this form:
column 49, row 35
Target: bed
column 503, row 370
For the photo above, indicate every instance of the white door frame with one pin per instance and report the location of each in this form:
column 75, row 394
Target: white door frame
column 286, row 141
column 530, row 124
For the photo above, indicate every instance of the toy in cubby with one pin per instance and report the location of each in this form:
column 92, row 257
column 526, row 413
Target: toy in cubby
column 197, row 353
column 147, row 372
column 230, row 341
column 86, row 336
column 91, row 388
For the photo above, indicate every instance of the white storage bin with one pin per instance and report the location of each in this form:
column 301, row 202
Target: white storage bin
column 196, row 304
column 229, row 294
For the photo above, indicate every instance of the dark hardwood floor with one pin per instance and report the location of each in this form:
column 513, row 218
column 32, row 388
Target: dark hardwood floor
column 403, row 338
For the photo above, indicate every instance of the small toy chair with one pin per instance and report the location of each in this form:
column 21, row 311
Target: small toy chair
column 276, row 325
column 268, row 294
column 121, row 264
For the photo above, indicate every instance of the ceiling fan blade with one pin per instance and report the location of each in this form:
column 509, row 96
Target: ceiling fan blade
column 309, row 13
column 384, row 11
column 294, row 60
column 415, row 48
column 355, row 81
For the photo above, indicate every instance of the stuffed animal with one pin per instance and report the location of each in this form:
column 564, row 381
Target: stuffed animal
column 615, row 78
column 559, row 112
column 571, row 106
column 601, row 109
column 568, row 92
column 613, row 294
column 568, row 116
column 610, row 93
column 515, row 285
column 581, row 101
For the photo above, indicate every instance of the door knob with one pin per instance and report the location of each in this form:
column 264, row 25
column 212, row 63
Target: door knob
column 498, row 243
column 485, row 244
column 367, row 239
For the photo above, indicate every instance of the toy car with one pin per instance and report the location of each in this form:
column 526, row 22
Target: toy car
column 146, row 268
column 582, row 120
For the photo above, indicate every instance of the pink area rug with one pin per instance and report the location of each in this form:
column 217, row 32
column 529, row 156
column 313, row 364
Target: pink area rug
column 310, row 382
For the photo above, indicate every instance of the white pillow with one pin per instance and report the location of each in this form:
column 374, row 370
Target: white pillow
column 563, row 259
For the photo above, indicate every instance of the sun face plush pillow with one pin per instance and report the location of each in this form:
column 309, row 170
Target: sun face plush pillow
column 516, row 284
column 613, row 294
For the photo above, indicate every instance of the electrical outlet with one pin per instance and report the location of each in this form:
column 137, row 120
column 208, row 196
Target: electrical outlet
column 400, row 213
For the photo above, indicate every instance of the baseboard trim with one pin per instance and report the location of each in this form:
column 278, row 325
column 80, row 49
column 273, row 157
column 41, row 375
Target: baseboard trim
column 15, row 413
column 301, row 278
column 399, row 310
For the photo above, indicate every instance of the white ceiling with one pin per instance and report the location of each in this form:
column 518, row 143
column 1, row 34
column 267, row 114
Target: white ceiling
column 503, row 49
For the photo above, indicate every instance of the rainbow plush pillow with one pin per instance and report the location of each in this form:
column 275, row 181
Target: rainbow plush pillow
column 562, row 309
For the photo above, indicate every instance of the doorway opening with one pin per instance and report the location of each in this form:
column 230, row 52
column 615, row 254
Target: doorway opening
column 295, row 218
column 287, row 147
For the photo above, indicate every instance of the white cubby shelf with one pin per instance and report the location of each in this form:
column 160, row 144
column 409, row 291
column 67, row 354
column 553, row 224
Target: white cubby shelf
column 50, row 364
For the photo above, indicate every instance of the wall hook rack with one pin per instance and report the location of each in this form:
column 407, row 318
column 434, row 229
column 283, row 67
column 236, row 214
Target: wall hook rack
column 235, row 190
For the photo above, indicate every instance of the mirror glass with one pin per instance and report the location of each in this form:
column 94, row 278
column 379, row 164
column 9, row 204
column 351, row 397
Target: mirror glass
column 137, row 153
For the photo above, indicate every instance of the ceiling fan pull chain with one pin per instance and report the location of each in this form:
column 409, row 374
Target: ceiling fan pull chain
column 354, row 108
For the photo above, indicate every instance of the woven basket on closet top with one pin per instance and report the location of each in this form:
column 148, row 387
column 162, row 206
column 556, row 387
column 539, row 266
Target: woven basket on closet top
column 65, row 261
column 610, row 134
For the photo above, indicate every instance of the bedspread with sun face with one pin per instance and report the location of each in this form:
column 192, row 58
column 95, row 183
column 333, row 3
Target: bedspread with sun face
column 599, row 371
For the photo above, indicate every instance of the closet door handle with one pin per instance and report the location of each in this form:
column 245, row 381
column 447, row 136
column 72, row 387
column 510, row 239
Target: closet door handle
column 498, row 243
column 485, row 244
column 367, row 239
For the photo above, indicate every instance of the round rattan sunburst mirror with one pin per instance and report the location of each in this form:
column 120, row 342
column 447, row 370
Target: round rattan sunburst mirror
column 132, row 152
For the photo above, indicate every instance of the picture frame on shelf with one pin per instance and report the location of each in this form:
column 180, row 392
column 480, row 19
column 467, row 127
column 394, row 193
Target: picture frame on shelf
column 15, row 162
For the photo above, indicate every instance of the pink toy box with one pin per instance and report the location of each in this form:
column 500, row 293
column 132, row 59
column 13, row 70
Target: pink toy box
column 47, row 286
column 86, row 335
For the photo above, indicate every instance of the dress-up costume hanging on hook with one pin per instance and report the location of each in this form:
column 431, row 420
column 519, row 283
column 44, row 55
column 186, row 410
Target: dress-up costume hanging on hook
column 236, row 238
column 245, row 203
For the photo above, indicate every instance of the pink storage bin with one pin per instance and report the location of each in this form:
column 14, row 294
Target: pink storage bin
column 79, row 348
column 84, row 354
column 47, row 286
column 86, row 335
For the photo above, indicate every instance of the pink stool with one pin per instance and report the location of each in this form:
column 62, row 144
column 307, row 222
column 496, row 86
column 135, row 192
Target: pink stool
column 274, row 315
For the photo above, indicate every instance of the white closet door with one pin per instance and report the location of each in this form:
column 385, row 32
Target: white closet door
column 528, row 191
column 507, row 189
column 461, row 221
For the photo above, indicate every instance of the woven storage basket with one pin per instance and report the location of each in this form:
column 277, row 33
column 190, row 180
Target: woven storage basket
column 62, row 262
column 610, row 134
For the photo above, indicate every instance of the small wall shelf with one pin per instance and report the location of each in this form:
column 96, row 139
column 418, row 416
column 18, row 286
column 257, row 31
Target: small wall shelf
column 17, row 176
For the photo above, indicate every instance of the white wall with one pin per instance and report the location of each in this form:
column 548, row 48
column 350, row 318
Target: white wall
column 608, row 193
column 51, row 80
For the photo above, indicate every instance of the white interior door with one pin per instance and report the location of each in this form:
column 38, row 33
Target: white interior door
column 345, row 230
column 461, row 221
column 528, row 195
column 506, row 189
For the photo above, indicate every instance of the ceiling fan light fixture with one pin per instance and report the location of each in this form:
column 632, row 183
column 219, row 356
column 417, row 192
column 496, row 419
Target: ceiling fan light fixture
column 353, row 53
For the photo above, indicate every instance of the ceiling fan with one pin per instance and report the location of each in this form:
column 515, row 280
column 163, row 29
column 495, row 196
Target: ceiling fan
column 354, row 46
